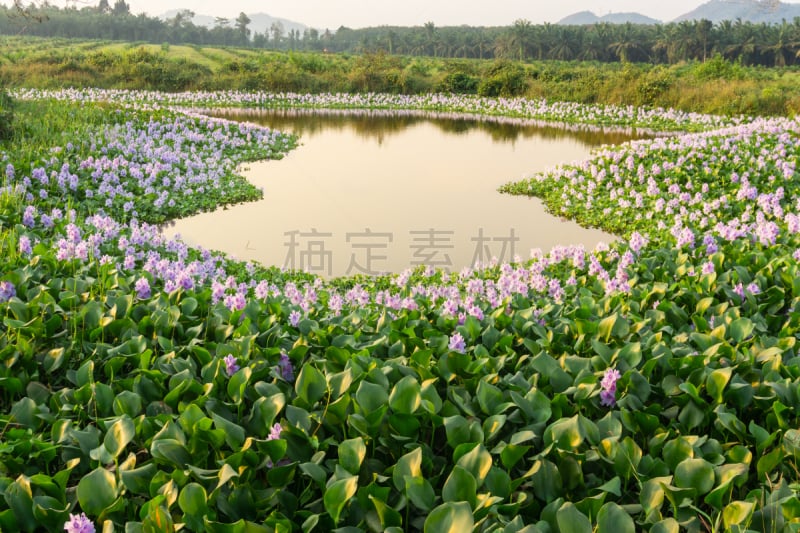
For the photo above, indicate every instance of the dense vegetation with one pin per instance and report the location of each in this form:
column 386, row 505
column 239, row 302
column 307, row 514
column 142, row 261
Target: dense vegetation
column 747, row 43
column 716, row 86
column 650, row 386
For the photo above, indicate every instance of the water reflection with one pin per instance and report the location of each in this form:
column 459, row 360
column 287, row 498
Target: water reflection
column 372, row 192
column 377, row 124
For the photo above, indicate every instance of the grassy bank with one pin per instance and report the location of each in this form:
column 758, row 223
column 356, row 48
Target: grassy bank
column 716, row 86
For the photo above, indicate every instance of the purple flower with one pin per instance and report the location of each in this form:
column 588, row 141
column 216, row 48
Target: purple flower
column 285, row 368
column 142, row 287
column 708, row 268
column 739, row 290
column 25, row 245
column 753, row 288
column 29, row 216
column 275, row 432
column 609, row 381
column 608, row 398
column 231, row 366
column 7, row 291
column 79, row 524
column 294, row 318
column 457, row 343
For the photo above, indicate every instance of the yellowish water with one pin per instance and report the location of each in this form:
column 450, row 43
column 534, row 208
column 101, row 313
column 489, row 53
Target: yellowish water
column 348, row 201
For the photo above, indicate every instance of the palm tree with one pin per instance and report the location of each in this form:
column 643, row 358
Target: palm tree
column 520, row 36
column 780, row 45
column 627, row 43
column 430, row 37
column 703, row 30
column 562, row 50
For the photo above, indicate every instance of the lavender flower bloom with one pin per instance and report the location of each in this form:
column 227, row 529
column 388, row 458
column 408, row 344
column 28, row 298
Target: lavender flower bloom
column 609, row 385
column 285, row 368
column 7, row 291
column 25, row 245
column 79, row 524
column 609, row 381
column 294, row 318
column 739, row 290
column 457, row 343
column 142, row 287
column 275, row 432
column 753, row 288
column 608, row 398
column 231, row 366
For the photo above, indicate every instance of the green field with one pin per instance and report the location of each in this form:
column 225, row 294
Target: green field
column 716, row 86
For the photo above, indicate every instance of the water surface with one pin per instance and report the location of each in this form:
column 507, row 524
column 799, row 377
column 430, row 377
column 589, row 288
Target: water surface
column 373, row 193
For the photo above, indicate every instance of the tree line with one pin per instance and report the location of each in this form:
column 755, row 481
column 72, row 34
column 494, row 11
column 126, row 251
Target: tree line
column 697, row 40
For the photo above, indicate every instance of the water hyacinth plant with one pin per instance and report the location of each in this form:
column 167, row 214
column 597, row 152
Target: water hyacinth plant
column 650, row 385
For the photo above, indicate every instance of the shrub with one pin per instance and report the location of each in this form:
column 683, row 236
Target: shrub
column 503, row 78
column 458, row 82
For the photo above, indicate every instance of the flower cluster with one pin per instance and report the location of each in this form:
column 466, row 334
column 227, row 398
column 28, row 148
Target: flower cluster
column 79, row 524
column 7, row 291
column 231, row 365
column 608, row 396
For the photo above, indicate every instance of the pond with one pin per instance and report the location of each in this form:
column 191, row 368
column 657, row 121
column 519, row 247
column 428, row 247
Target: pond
column 374, row 192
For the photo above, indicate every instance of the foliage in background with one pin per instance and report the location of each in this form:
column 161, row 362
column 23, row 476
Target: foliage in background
column 692, row 40
column 717, row 86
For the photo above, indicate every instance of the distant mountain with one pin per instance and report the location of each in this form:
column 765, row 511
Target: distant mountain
column 768, row 11
column 259, row 22
column 587, row 17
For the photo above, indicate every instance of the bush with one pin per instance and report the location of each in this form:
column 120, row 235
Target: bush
column 503, row 78
column 718, row 68
column 458, row 82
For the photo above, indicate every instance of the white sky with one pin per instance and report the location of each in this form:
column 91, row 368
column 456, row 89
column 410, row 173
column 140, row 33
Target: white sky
column 360, row 13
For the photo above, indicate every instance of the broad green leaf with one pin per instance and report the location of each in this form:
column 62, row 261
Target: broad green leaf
column 193, row 502
column 50, row 512
column 127, row 403
column 388, row 517
column 193, row 499
column 371, row 397
column 546, row 480
column 450, row 517
column 740, row 329
column 695, row 474
column 171, row 451
column 406, row 396
column 490, row 398
column 566, row 434
column 310, row 385
column 668, row 525
column 351, row 454
column 137, row 481
column 19, row 497
column 477, row 462
column 571, row 519
column 338, row 495
column 716, row 382
column 460, row 486
column 612, row 517
column 407, row 465
column 420, row 492
column 97, row 490
column 119, row 435
column 738, row 512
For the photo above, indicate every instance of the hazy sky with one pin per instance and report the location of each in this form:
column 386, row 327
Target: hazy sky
column 360, row 13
